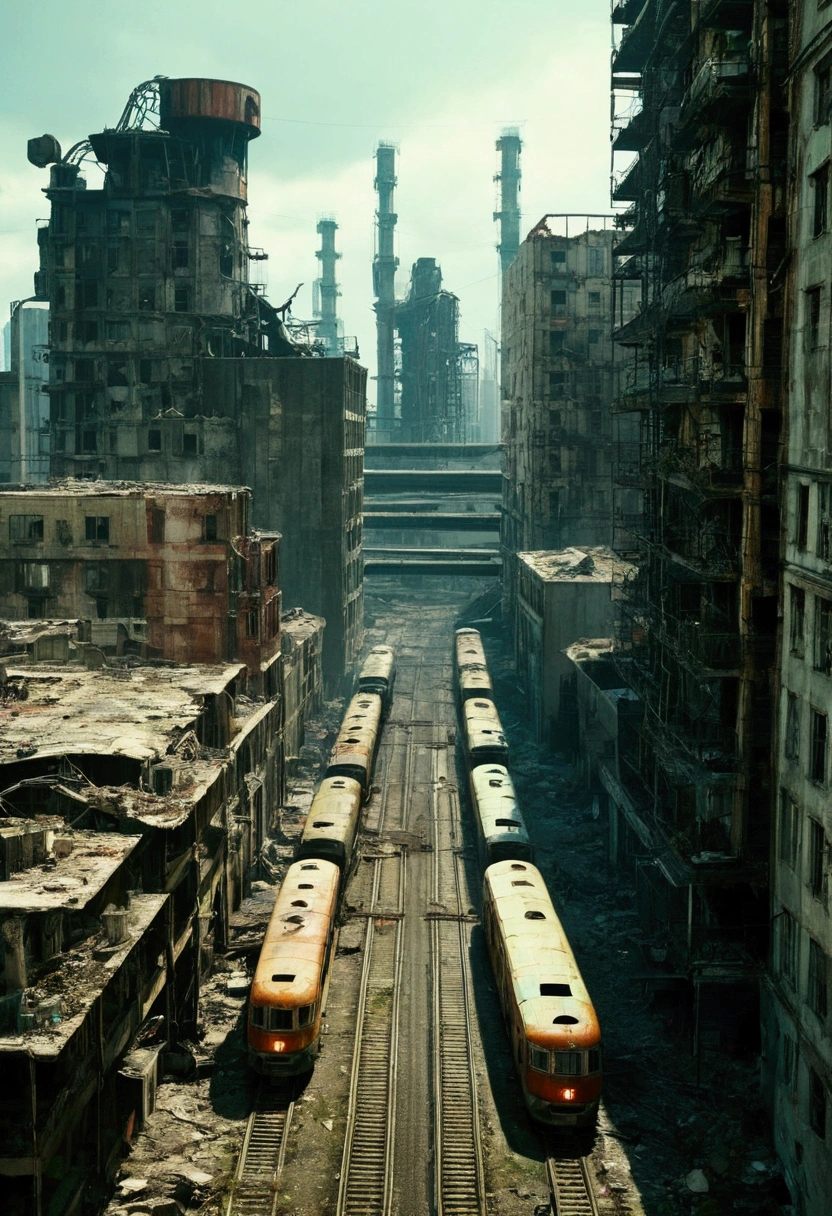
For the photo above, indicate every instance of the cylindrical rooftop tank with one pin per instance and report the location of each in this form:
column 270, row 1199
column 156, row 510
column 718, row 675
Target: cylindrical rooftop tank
column 190, row 98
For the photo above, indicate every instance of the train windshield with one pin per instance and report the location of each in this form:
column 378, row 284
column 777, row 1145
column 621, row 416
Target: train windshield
column 270, row 1018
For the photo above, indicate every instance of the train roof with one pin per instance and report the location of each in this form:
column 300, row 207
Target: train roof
column 496, row 803
column 379, row 663
column 296, row 937
column 475, row 679
column 550, row 992
column 469, row 648
column 357, row 735
column 481, row 718
column 334, row 808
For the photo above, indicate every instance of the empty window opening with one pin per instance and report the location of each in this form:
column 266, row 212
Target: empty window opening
column 564, row 1019
column 555, row 990
column 299, row 903
column 322, row 823
column 283, row 978
column 534, row 915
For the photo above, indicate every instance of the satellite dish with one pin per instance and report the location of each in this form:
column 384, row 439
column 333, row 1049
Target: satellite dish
column 43, row 151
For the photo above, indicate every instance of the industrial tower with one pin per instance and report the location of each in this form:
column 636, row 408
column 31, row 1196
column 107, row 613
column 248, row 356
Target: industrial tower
column 328, row 292
column 384, row 287
column 509, row 145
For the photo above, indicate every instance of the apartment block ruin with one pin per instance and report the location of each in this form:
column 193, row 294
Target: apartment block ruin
column 557, row 378
column 699, row 97
column 159, row 571
column 797, row 1054
column 150, row 283
column 135, row 801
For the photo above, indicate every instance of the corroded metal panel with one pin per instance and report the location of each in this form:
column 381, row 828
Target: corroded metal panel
column 199, row 98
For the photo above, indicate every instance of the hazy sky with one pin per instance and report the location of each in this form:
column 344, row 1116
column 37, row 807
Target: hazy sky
column 440, row 79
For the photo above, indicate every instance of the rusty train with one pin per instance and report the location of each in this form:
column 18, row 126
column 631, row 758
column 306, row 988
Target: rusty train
column 552, row 1026
column 285, row 1003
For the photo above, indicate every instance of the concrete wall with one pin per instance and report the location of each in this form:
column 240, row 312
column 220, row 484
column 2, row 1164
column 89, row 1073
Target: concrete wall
column 797, row 1056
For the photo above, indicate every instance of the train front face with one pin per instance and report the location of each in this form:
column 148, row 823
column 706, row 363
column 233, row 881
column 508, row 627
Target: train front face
column 284, row 1012
column 332, row 821
column 562, row 1076
column 485, row 742
column 544, row 997
column 354, row 750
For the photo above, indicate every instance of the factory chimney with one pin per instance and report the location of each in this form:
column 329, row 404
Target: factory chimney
column 384, row 288
column 509, row 145
column 328, row 287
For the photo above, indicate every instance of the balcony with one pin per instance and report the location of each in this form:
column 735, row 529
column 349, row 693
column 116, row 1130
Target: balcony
column 636, row 42
column 626, row 187
column 720, row 82
column 633, row 136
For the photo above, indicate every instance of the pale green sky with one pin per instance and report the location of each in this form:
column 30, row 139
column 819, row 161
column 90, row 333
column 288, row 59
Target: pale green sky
column 439, row 78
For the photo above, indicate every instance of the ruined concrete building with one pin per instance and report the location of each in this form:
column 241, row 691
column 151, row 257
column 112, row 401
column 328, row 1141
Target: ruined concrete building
column 797, row 1051
column 24, row 401
column 160, row 571
column 136, row 800
column 557, row 377
column 699, row 97
column 151, row 291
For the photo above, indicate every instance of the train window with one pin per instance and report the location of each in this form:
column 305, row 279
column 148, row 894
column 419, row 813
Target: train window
column 510, row 823
column 564, row 1019
column 533, row 915
column 518, row 867
column 306, row 1014
column 295, row 918
column 281, row 978
column 569, row 1063
column 299, row 903
column 555, row 990
column 495, row 783
column 338, row 785
column 481, row 704
column 281, row 1019
column 594, row 1060
column 539, row 1059
column 351, row 740
column 257, row 1016
column 306, row 886
column 521, row 882
column 312, row 865
column 322, row 823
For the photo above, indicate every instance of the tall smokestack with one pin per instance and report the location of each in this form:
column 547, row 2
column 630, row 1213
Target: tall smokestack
column 384, row 284
column 328, row 287
column 509, row 145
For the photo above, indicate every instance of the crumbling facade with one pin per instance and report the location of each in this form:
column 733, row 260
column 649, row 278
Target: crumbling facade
column 136, row 800
column 556, row 389
column 304, row 461
column 699, row 96
column 560, row 596
column 175, row 573
column 150, row 284
column 797, row 1055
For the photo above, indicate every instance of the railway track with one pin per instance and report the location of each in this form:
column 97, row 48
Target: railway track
column 459, row 1178
column 570, row 1186
column 254, row 1188
column 366, row 1180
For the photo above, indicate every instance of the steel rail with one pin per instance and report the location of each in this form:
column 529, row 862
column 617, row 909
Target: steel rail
column 366, row 1178
column 459, row 1175
column 570, row 1186
column 254, row 1186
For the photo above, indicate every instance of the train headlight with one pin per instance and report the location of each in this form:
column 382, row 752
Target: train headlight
column 568, row 1095
column 278, row 1045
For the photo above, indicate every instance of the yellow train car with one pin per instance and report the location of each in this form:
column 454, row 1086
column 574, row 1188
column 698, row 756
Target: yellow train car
column 354, row 752
column 482, row 733
column 553, row 1028
column 378, row 674
column 332, row 822
column 468, row 649
column 284, row 1010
